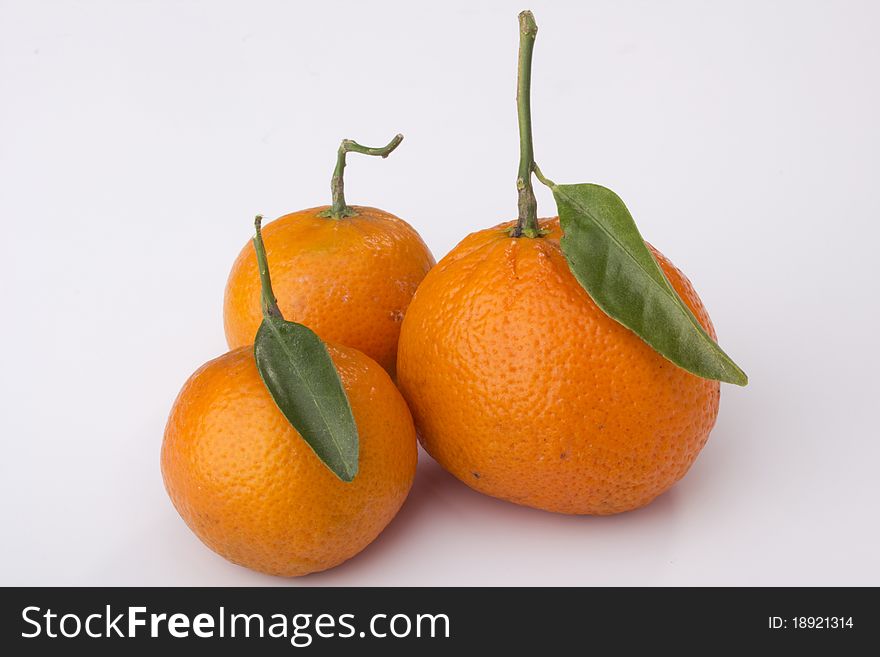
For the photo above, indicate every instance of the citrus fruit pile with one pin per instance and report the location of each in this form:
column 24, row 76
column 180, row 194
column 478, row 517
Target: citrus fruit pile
column 563, row 364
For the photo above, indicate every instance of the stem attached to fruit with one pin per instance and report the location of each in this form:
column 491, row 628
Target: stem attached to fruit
column 527, row 223
column 339, row 210
column 269, row 303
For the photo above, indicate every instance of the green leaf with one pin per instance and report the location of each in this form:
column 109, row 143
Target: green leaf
column 297, row 369
column 609, row 258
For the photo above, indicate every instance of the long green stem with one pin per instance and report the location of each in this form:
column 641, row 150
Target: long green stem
column 339, row 210
column 527, row 222
column 269, row 303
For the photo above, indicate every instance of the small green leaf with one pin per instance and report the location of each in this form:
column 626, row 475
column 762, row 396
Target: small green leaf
column 609, row 258
column 297, row 369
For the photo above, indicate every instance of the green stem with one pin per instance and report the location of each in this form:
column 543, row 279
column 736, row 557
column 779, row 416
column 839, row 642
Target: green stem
column 527, row 222
column 339, row 210
column 269, row 302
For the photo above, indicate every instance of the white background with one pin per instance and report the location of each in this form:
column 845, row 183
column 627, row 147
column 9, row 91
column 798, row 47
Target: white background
column 138, row 139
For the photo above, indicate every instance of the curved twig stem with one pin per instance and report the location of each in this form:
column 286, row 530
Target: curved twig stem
column 339, row 210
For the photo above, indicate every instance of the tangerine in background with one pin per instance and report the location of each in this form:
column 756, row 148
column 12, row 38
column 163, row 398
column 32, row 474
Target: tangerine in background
column 346, row 272
column 350, row 280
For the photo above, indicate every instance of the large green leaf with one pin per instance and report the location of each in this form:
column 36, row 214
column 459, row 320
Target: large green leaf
column 609, row 258
column 301, row 377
